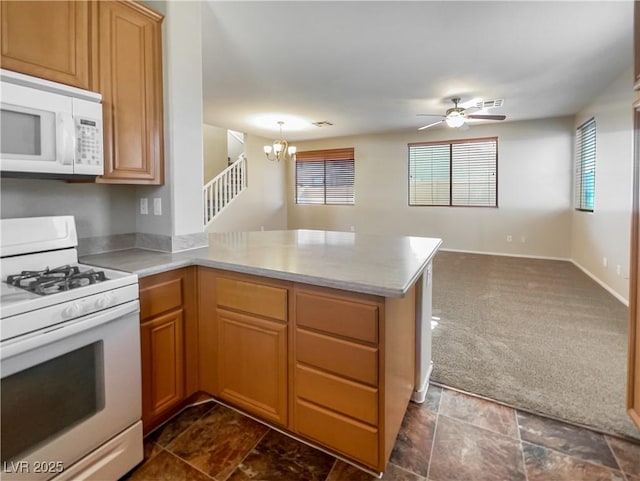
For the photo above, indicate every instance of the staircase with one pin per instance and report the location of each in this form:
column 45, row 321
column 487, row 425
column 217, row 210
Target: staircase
column 223, row 188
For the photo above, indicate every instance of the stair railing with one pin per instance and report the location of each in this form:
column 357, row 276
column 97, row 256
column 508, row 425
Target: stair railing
column 223, row 188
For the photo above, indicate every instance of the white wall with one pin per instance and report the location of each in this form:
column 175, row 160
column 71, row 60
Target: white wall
column 215, row 151
column 534, row 185
column 262, row 204
column 606, row 231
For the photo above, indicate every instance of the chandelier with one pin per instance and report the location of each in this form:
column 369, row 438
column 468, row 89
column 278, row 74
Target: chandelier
column 280, row 148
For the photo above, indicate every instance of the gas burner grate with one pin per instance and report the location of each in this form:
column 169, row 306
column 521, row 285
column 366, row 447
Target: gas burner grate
column 50, row 281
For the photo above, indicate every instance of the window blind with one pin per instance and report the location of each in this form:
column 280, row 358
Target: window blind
column 454, row 173
column 585, row 180
column 325, row 176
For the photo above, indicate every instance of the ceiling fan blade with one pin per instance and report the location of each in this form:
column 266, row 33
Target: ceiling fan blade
column 473, row 103
column 429, row 115
column 431, row 125
column 487, row 117
column 464, row 126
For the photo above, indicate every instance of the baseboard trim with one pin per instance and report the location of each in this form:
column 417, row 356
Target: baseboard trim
column 503, row 254
column 606, row 287
column 602, row 284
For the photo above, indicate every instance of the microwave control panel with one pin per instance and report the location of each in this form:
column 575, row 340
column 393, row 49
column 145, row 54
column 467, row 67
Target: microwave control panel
column 88, row 141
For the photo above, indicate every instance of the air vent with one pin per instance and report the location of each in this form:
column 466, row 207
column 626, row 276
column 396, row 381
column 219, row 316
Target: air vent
column 323, row 123
column 488, row 104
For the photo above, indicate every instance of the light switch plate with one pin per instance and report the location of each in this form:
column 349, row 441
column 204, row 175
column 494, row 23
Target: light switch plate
column 144, row 205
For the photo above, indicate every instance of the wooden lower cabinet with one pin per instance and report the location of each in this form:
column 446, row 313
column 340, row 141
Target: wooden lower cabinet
column 243, row 325
column 331, row 367
column 168, row 338
column 252, row 364
column 337, row 372
column 162, row 347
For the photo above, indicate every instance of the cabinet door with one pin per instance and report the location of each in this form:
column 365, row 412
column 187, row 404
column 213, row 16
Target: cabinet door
column 162, row 364
column 49, row 40
column 252, row 364
column 129, row 77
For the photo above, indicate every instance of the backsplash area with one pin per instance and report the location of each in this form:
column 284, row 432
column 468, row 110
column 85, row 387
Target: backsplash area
column 99, row 209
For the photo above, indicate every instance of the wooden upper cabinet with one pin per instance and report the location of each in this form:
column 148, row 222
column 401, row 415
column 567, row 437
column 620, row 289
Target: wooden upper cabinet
column 128, row 74
column 47, row 39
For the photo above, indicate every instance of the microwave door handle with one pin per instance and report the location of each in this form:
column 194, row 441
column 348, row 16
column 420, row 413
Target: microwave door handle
column 65, row 138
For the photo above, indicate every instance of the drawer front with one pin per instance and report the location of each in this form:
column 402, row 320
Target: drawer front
column 345, row 358
column 356, row 440
column 337, row 316
column 253, row 298
column 338, row 394
column 161, row 297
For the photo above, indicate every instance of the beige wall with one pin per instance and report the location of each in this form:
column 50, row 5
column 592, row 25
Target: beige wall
column 534, row 185
column 215, row 151
column 235, row 147
column 606, row 231
column 262, row 204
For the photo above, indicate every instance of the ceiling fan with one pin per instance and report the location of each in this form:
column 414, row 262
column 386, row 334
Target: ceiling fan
column 457, row 115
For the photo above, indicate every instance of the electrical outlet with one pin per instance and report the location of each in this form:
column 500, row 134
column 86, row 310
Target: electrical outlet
column 144, row 205
column 605, row 262
column 618, row 269
column 157, row 206
column 523, row 239
column 509, row 238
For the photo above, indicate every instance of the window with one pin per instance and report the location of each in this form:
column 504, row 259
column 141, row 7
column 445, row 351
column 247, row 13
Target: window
column 585, row 166
column 454, row 173
column 325, row 177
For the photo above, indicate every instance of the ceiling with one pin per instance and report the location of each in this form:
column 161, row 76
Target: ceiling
column 370, row 67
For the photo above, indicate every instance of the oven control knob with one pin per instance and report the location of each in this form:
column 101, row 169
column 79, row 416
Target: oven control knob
column 104, row 301
column 71, row 311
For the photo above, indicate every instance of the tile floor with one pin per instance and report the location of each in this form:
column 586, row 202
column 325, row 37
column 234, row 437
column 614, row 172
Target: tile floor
column 452, row 436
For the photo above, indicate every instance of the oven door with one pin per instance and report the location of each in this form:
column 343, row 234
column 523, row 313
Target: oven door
column 66, row 391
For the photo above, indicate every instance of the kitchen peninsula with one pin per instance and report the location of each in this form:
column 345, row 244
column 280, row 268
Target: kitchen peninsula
column 313, row 332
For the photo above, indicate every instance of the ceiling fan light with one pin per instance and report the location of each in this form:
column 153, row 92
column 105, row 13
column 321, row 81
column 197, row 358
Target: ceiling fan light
column 454, row 120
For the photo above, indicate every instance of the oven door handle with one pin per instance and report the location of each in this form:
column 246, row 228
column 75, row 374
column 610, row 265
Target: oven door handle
column 38, row 339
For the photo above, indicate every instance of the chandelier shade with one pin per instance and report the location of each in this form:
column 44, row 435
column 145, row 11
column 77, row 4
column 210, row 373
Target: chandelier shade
column 279, row 149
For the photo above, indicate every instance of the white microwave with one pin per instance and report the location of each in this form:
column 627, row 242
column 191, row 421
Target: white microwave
column 48, row 129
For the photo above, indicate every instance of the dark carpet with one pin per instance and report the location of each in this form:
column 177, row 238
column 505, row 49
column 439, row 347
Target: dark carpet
column 536, row 334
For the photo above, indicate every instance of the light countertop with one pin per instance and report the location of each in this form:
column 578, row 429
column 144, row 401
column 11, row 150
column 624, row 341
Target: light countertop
column 372, row 264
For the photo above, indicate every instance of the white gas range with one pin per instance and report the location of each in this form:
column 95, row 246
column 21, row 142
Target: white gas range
column 69, row 358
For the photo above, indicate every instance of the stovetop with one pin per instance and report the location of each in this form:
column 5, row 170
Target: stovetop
column 42, row 285
column 32, row 289
column 51, row 281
